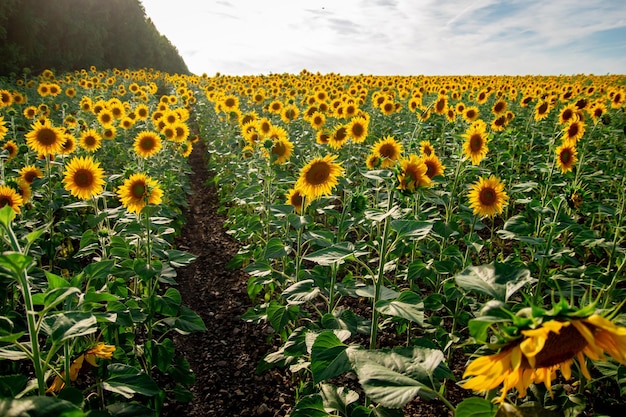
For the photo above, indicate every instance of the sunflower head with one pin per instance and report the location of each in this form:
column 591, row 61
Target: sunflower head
column 138, row 191
column 487, row 196
column 83, row 177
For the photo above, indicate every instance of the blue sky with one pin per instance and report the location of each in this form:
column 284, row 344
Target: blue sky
column 396, row 37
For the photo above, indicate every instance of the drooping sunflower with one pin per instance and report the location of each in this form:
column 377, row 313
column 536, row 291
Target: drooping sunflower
column 322, row 137
column 29, row 173
column 535, row 356
column 83, row 177
column 426, row 149
column 373, row 161
column 44, row 138
column 147, row 143
column 296, row 199
column 434, row 165
column 319, row 177
column 281, row 150
column 596, row 111
column 10, row 197
column 90, row 140
column 413, row 174
column 138, row 191
column 566, row 156
column 542, row 110
column 389, row 150
column 475, row 147
column 487, row 196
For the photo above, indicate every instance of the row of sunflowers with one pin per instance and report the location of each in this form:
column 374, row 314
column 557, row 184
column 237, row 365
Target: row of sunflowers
column 449, row 239
column 454, row 240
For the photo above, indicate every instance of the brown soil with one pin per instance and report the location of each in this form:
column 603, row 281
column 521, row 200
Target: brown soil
column 225, row 357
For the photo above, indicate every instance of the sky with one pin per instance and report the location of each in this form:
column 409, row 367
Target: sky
column 396, row 37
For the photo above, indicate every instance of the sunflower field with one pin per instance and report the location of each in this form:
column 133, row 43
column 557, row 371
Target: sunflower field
column 454, row 239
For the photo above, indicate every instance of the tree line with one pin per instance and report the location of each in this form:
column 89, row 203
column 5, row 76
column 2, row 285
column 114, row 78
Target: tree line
column 67, row 35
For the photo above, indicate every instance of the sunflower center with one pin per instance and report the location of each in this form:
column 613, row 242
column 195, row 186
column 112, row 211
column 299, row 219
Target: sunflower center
column 341, row 134
column 148, row 144
column 138, row 190
column 388, row 151
column 487, row 196
column 565, row 156
column 357, row 130
column 573, row 130
column 296, row 200
column 90, row 141
column 560, row 347
column 318, row 173
column 542, row 108
column 476, row 142
column 5, row 201
column 46, row 137
column 279, row 148
column 83, row 178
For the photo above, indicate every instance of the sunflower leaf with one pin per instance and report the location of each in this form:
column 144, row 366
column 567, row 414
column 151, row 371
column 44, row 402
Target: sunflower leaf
column 497, row 280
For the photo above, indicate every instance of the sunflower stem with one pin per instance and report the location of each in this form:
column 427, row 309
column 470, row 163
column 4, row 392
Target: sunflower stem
column 544, row 261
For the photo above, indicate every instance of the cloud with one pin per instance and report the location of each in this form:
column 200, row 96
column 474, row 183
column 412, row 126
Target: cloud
column 396, row 36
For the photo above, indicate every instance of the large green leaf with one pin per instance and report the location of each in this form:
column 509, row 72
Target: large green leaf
column 407, row 306
column 16, row 263
column 476, row 407
column 392, row 378
column 301, row 292
column 310, row 406
column 497, row 280
column 275, row 248
column 337, row 398
column 128, row 381
column 328, row 357
column 335, row 253
column 280, row 315
column 413, row 229
column 39, row 406
column 128, row 409
column 67, row 325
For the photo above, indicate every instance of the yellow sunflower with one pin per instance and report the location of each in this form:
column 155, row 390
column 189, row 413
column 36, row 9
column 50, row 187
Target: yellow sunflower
column 12, row 148
column 106, row 118
column 319, row 177
column 413, row 174
column 475, row 146
column 339, row 137
column 281, row 150
column 542, row 110
column 389, row 150
column 373, row 161
column 573, row 131
column 138, row 191
column 357, row 129
column 471, row 113
column 426, row 149
column 296, row 199
column 540, row 352
column 83, row 177
column 10, row 197
column 29, row 173
column 147, row 143
column 45, row 139
column 90, row 140
column 566, row 156
column 434, row 165
column 487, row 196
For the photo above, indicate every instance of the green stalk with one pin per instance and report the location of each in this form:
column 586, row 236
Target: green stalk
column 544, row 261
column 381, row 270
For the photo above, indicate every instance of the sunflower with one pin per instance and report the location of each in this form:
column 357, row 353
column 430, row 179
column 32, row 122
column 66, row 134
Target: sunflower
column 45, row 139
column 147, row 143
column 319, row 177
column 475, row 146
column 281, row 150
column 471, row 113
column 566, row 156
column 487, row 196
column 83, row 177
column 434, row 165
column 10, row 197
column 339, row 137
column 573, row 131
column 597, row 110
column 542, row 110
column 29, row 173
column 100, row 350
column 12, row 148
column 389, row 150
column 413, row 174
column 24, row 190
column 69, row 146
column 499, row 107
column 296, row 199
column 6, row 98
column 357, row 129
column 139, row 190
column 317, row 120
column 322, row 137
column 30, row 112
column 90, row 140
column 426, row 149
column 373, row 161
column 106, row 117
column 536, row 356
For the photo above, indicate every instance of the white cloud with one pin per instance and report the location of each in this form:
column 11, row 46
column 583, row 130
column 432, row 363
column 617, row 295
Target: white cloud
column 394, row 36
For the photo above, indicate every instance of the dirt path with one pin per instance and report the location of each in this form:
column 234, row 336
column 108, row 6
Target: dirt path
column 224, row 358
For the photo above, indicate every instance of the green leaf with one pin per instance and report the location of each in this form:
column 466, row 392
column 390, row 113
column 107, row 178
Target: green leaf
column 11, row 385
column 163, row 353
column 392, row 378
column 281, row 316
column 187, row 322
column 337, row 398
column 414, row 229
column 54, row 297
column 330, row 255
column 310, row 406
column 179, row 259
column 16, row 263
column 181, row 372
column 129, row 409
column 13, row 353
column 497, row 280
column 476, row 407
column 407, row 306
column 6, row 216
column 369, row 291
column 99, row 270
column 146, row 271
column 276, row 249
column 301, row 292
column 55, row 281
column 39, row 406
column 128, row 381
column 328, row 357
column 67, row 325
